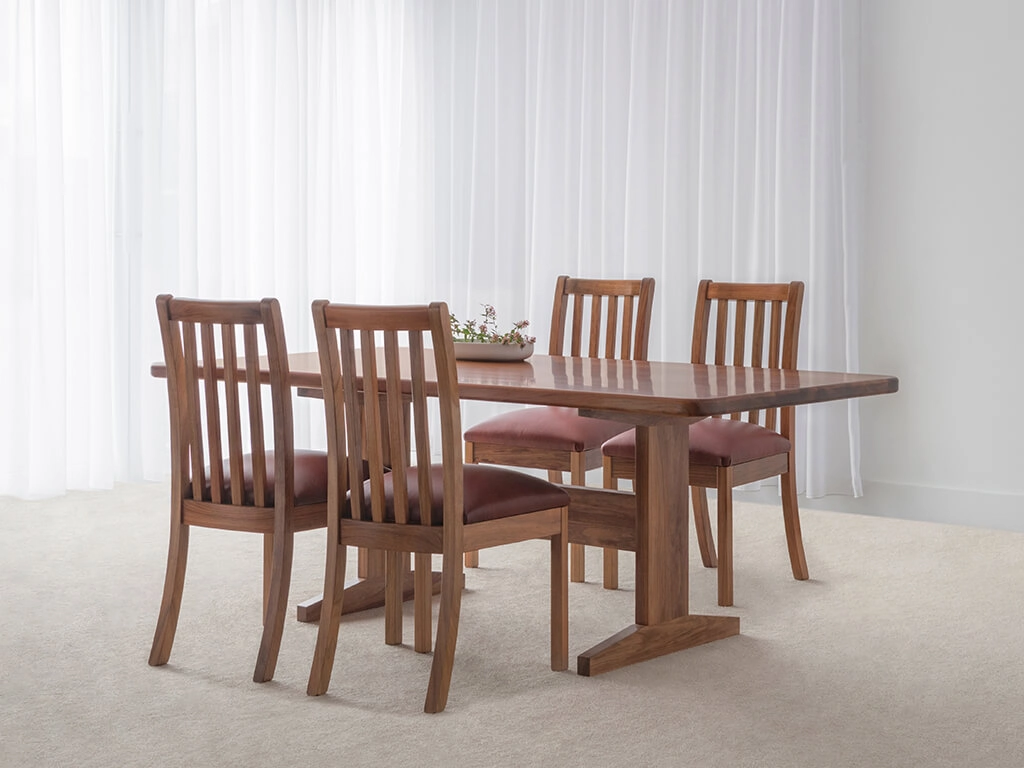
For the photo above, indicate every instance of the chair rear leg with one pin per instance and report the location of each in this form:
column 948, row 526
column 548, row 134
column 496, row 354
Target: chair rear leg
column 791, row 517
column 170, row 604
column 423, row 588
column 330, row 620
column 277, row 606
column 447, row 633
column 702, row 525
column 393, row 589
column 560, row 596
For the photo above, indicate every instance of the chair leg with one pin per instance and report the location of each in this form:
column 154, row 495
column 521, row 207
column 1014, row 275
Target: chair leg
column 560, row 596
column 472, row 559
column 170, row 604
column 791, row 517
column 330, row 620
column 393, row 587
column 577, row 552
column 610, row 555
column 725, row 575
column 277, row 606
column 702, row 525
column 268, row 570
column 422, row 594
column 447, row 632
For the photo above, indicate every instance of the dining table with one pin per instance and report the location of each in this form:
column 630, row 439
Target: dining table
column 661, row 400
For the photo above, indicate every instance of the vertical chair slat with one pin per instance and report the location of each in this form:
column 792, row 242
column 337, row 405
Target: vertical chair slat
column 257, row 444
column 396, row 431
column 771, row 416
column 421, row 427
column 191, row 357
column 721, row 332
column 354, row 427
column 612, row 325
column 775, row 343
column 372, row 424
column 757, row 349
column 739, row 333
column 739, row 339
column 757, row 342
column 210, row 390
column 594, row 346
column 626, row 348
column 233, row 413
column 577, row 326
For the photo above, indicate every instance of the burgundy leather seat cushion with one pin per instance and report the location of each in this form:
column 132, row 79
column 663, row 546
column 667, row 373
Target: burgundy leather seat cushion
column 714, row 442
column 489, row 493
column 546, row 427
column 310, row 479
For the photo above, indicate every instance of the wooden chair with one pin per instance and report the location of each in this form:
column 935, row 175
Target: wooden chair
column 433, row 508
column 219, row 477
column 727, row 452
column 607, row 318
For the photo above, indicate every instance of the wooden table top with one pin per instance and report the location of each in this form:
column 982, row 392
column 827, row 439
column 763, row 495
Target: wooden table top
column 635, row 387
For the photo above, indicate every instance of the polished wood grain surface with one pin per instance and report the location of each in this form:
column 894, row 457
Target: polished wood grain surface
column 632, row 388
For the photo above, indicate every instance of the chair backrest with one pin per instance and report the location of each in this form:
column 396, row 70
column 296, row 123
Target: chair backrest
column 609, row 318
column 212, row 351
column 750, row 324
column 382, row 349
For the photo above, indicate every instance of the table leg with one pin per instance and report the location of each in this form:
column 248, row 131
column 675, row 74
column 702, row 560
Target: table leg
column 663, row 622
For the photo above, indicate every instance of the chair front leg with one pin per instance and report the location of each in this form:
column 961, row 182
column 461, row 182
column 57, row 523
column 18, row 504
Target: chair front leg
column 560, row 596
column 725, row 576
column 447, row 632
column 330, row 620
column 170, row 604
column 277, row 605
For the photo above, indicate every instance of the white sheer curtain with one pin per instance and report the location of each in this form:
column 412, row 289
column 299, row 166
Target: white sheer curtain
column 401, row 151
column 680, row 140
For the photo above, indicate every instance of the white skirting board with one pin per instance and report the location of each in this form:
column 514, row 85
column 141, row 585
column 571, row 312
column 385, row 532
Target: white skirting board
column 914, row 502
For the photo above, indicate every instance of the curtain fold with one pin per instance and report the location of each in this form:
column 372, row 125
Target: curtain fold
column 403, row 152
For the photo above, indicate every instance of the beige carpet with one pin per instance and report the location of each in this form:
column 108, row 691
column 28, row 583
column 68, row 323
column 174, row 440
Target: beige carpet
column 905, row 649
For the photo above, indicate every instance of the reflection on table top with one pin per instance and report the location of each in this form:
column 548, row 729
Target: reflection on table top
column 654, row 388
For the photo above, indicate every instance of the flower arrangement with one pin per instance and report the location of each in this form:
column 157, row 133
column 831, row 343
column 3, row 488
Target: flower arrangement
column 486, row 330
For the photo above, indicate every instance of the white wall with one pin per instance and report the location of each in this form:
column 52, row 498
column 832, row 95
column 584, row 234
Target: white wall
column 941, row 304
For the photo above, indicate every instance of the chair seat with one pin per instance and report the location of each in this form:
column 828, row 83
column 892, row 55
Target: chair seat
column 546, row 427
column 714, row 442
column 310, row 479
column 489, row 493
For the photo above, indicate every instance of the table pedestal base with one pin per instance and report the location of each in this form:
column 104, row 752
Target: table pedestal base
column 363, row 595
column 642, row 642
